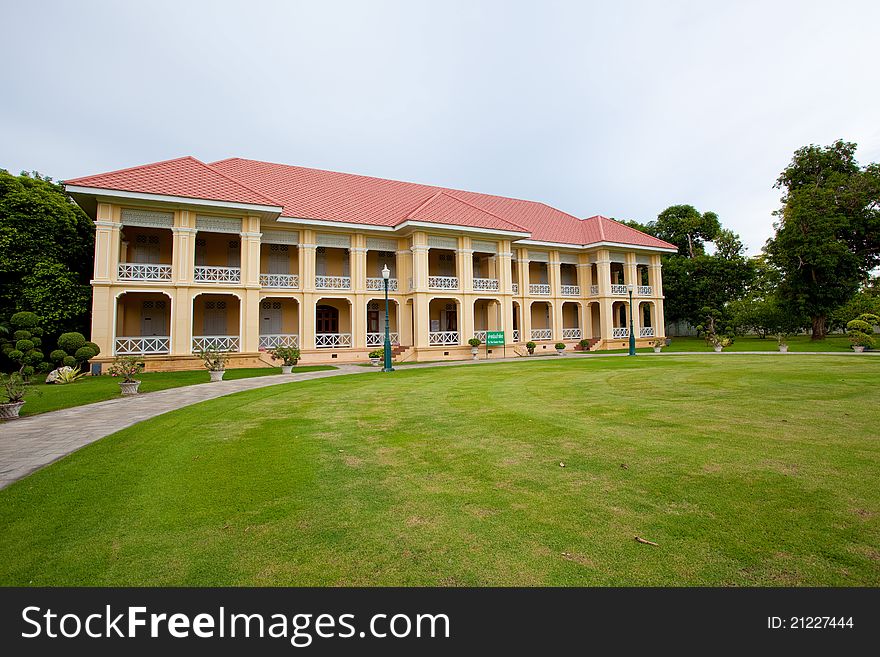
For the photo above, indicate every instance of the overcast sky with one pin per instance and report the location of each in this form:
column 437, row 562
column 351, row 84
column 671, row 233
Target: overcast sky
column 610, row 108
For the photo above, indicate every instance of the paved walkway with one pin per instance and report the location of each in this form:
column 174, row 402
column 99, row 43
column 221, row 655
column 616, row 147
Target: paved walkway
column 35, row 441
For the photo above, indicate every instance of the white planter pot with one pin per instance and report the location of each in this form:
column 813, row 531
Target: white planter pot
column 718, row 349
column 129, row 388
column 783, row 348
column 475, row 352
column 656, row 350
column 286, row 369
column 375, row 362
column 560, row 352
column 216, row 375
column 858, row 348
column 10, row 411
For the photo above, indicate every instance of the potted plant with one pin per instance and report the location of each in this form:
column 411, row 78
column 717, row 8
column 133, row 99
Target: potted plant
column 128, row 368
column 530, row 347
column 475, row 346
column 584, row 345
column 13, row 388
column 560, row 348
column 376, row 357
column 215, row 363
column 782, row 342
column 658, row 344
column 289, row 356
column 861, row 332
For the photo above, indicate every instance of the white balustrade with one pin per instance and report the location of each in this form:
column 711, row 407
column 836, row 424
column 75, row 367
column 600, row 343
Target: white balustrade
column 645, row 290
column 443, row 338
column 378, row 339
column 542, row 334
column 443, row 282
column 379, row 284
column 152, row 344
column 481, row 336
column 205, row 274
column 620, row 332
column 215, row 343
column 515, row 287
column 594, row 290
column 279, row 280
column 571, row 334
column 136, row 271
column 275, row 340
column 539, row 288
column 330, row 340
column 486, row 284
column 646, row 332
column 333, row 282
column 618, row 289
column 516, row 335
column 570, row 290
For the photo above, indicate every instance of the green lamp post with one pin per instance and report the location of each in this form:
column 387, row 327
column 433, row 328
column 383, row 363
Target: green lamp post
column 386, row 273
column 632, row 336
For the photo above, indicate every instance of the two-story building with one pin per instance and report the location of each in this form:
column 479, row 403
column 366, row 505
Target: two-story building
column 244, row 256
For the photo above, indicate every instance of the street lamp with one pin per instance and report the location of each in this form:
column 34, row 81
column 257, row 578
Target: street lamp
column 386, row 273
column 632, row 337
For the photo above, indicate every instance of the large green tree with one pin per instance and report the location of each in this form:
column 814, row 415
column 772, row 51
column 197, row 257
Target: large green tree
column 828, row 233
column 687, row 228
column 46, row 252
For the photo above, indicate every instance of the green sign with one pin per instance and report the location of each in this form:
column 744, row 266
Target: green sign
column 494, row 338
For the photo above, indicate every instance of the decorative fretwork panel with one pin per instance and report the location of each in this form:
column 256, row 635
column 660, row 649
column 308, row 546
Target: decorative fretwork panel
column 379, row 284
column 279, row 280
column 218, row 224
column 594, row 290
column 330, row 340
column 570, row 290
column 645, row 290
column 542, row 334
column 215, row 343
column 154, row 344
column 438, row 242
column 333, row 282
column 443, row 282
column 539, row 256
column 378, row 339
column 206, row 274
column 539, row 288
column 333, row 240
column 618, row 289
column 380, row 244
column 442, row 338
column 131, row 271
column 620, row 332
column 147, row 218
column 280, row 237
column 571, row 334
column 486, row 284
column 484, row 247
column 646, row 332
column 273, row 341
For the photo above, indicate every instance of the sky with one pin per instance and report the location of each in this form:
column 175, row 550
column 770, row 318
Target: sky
column 614, row 108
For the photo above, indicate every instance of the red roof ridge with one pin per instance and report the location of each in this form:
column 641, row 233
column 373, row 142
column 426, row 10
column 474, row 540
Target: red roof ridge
column 489, row 212
column 422, row 205
column 238, row 182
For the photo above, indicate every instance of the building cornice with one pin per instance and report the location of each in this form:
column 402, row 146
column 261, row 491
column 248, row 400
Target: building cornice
column 165, row 198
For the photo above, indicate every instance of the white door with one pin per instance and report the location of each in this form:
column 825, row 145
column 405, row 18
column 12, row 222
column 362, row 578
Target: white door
column 146, row 250
column 233, row 254
column 215, row 318
column 270, row 318
column 153, row 318
column 279, row 259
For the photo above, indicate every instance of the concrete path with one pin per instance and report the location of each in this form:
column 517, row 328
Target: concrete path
column 35, row 441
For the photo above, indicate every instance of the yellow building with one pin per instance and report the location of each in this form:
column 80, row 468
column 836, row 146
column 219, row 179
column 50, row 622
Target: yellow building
column 243, row 256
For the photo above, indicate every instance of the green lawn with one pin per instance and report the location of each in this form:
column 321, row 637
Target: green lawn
column 98, row 388
column 745, row 471
column 753, row 343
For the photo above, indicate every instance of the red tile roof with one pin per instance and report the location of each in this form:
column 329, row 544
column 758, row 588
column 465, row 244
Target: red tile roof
column 186, row 177
column 343, row 197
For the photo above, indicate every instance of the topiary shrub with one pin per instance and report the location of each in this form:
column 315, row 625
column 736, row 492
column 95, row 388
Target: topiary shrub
column 21, row 334
column 45, row 367
column 27, row 371
column 57, row 356
column 93, row 347
column 861, row 330
column 68, row 361
column 34, row 357
column 70, row 342
column 24, row 345
column 37, row 341
column 84, row 353
column 15, row 354
column 24, row 320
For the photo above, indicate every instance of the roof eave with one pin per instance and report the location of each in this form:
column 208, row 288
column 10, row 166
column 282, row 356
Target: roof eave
column 167, row 198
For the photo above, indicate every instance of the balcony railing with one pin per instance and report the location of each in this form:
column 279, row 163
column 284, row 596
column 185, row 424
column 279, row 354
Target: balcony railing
column 215, row 343
column 618, row 289
column 570, row 290
column 442, row 338
column 646, row 332
column 275, row 340
column 205, row 274
column 333, row 282
column 594, row 290
column 515, row 287
column 542, row 334
column 378, row 339
column 644, row 290
column 153, row 344
column 571, row 334
column 136, row 271
column 539, row 288
column 443, row 282
column 516, row 335
column 620, row 332
column 331, row 340
column 279, row 280
column 486, row 284
column 481, row 336
column 379, row 284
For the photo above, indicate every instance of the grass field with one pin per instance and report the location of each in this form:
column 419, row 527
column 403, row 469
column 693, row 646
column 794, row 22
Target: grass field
column 98, row 388
column 753, row 343
column 745, row 471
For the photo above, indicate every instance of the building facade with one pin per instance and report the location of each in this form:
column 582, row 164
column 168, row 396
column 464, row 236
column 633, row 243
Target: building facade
column 242, row 256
